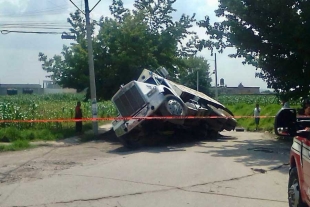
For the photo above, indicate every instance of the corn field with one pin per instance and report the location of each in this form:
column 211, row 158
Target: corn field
column 47, row 107
column 263, row 100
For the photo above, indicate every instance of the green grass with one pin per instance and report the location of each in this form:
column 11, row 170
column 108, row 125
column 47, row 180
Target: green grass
column 16, row 145
column 11, row 134
column 61, row 106
column 243, row 109
column 243, row 105
column 45, row 107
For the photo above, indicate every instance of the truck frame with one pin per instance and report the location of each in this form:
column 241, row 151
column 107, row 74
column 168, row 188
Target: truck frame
column 153, row 95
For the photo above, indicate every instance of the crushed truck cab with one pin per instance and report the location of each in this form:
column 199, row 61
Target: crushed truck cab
column 153, row 95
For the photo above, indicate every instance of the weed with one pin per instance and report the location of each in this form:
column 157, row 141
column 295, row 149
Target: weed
column 16, row 145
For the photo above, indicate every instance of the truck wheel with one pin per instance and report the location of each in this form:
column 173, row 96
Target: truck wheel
column 294, row 196
column 130, row 142
column 173, row 106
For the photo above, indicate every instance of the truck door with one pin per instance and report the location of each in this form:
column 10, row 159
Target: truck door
column 305, row 165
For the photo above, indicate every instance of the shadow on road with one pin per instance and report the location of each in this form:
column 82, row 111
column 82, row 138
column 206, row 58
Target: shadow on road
column 254, row 150
column 261, row 152
column 157, row 143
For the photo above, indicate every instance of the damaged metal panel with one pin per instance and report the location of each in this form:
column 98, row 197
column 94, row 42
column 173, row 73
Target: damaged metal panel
column 153, row 95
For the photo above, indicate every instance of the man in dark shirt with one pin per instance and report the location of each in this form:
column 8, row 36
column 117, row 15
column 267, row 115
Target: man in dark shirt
column 78, row 115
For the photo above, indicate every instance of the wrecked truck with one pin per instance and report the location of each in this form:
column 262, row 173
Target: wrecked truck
column 153, row 95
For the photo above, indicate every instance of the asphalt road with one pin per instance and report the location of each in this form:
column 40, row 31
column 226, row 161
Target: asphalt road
column 238, row 169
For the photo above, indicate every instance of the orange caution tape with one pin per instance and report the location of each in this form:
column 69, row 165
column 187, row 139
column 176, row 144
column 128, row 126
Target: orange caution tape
column 128, row 118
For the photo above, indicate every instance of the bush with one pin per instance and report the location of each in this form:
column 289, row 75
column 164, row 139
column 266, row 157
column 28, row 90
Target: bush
column 16, row 145
column 20, row 144
column 28, row 135
column 45, row 134
column 12, row 134
column 3, row 137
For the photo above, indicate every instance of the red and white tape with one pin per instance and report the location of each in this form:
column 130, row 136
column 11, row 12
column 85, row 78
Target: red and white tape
column 128, row 118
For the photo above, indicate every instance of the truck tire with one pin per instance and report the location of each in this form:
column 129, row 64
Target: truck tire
column 294, row 196
column 130, row 142
column 173, row 106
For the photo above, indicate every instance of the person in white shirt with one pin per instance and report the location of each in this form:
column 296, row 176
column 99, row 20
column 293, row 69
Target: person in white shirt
column 285, row 104
column 256, row 115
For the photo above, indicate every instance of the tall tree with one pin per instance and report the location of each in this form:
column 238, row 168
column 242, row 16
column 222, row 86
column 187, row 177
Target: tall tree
column 128, row 49
column 130, row 41
column 70, row 69
column 196, row 66
column 270, row 35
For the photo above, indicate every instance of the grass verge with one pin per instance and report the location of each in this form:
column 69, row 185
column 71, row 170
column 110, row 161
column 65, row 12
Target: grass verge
column 266, row 124
column 16, row 145
column 11, row 134
column 19, row 139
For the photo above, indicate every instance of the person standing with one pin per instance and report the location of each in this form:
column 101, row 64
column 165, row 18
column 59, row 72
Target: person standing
column 285, row 104
column 256, row 115
column 78, row 115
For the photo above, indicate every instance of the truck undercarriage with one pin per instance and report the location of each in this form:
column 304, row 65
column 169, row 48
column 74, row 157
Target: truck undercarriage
column 153, row 103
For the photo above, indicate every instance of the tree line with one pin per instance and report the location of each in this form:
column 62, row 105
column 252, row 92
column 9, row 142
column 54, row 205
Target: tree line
column 124, row 45
column 270, row 35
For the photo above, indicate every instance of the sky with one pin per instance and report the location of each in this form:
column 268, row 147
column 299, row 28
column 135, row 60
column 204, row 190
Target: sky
column 19, row 51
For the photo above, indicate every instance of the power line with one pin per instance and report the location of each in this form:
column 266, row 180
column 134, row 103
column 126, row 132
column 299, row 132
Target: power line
column 31, row 22
column 54, row 10
column 77, row 7
column 35, row 27
column 30, row 25
column 31, row 32
column 54, row 3
column 36, row 11
column 95, row 6
column 47, row 12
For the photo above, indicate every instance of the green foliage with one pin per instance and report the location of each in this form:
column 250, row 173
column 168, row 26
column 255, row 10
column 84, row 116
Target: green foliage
column 246, row 109
column 20, row 144
column 188, row 75
column 243, row 105
column 145, row 37
column 12, row 134
column 16, row 145
column 44, row 107
column 248, row 99
column 263, row 100
column 270, row 35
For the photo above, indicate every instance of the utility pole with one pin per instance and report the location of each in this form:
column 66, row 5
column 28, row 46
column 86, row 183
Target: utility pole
column 215, row 68
column 197, row 80
column 91, row 70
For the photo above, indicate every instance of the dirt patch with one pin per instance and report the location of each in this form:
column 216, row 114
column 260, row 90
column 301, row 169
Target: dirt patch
column 49, row 159
column 34, row 170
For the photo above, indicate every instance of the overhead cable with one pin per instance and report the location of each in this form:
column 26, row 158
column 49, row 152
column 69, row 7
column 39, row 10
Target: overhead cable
column 95, row 6
column 77, row 7
column 32, row 32
column 35, row 13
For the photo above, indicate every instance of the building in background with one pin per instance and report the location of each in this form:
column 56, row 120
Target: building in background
column 240, row 89
column 13, row 89
column 49, row 87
